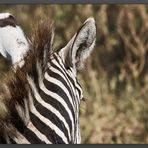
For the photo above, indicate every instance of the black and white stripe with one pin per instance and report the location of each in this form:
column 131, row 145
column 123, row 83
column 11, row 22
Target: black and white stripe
column 54, row 105
column 50, row 112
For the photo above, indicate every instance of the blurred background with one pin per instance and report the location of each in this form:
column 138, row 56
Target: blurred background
column 115, row 80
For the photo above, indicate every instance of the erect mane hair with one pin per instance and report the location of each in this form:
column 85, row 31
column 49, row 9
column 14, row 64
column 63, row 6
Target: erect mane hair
column 15, row 86
column 41, row 48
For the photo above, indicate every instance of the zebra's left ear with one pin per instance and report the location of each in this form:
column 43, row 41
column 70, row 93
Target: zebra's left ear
column 80, row 46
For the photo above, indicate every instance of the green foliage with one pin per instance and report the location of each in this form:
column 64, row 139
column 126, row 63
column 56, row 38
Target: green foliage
column 116, row 107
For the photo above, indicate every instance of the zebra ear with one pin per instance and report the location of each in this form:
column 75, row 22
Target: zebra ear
column 80, row 46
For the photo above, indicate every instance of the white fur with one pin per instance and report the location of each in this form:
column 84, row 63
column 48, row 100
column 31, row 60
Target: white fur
column 13, row 42
column 4, row 15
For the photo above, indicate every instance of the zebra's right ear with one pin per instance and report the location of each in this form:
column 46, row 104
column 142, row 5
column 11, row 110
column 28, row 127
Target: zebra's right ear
column 75, row 53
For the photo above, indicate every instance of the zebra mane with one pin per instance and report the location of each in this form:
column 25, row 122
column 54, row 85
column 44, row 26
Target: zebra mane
column 15, row 87
column 41, row 47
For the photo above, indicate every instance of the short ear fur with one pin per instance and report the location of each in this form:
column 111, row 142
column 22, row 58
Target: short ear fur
column 80, row 46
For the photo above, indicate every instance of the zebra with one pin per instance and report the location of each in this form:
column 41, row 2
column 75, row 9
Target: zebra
column 13, row 42
column 39, row 102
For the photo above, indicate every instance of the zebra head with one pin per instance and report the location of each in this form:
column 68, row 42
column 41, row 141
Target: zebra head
column 61, row 76
column 57, row 79
column 40, row 100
